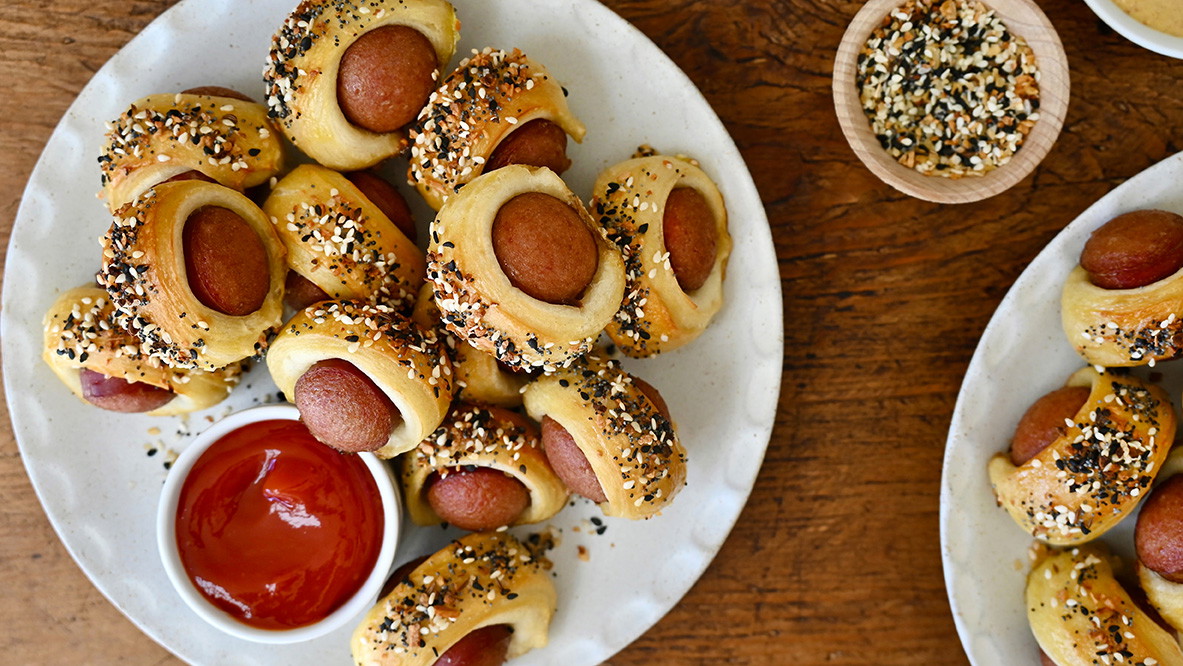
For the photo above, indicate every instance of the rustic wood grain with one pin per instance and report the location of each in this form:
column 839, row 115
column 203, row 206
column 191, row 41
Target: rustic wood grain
column 836, row 557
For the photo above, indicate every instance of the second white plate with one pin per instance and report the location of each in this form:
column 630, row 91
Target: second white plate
column 1023, row 354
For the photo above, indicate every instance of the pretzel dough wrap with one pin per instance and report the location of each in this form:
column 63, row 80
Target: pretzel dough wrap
column 480, row 580
column 144, row 273
column 161, row 136
column 632, row 448
column 476, row 298
column 629, row 201
column 1165, row 595
column 1080, row 614
column 490, row 94
column 302, row 66
column 407, row 363
column 1123, row 327
column 472, row 435
column 476, row 375
column 1094, row 475
column 340, row 241
column 80, row 332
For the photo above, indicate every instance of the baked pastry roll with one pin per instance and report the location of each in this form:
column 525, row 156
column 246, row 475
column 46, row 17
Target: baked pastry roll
column 302, row 68
column 490, row 95
column 629, row 201
column 406, row 363
column 632, row 447
column 145, row 272
column 1166, row 596
column 1080, row 614
column 340, row 241
column 474, row 437
column 1123, row 327
column 476, row 375
column 161, row 136
column 480, row 304
column 1158, row 541
column 1065, row 495
column 484, row 579
column 80, row 333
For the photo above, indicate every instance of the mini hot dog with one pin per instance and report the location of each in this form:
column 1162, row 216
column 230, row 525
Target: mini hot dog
column 102, row 364
column 1080, row 614
column 196, row 272
column 482, row 599
column 670, row 223
column 1062, row 494
column 607, row 438
column 342, row 82
column 497, row 109
column 364, row 377
column 1120, row 306
column 209, row 133
column 510, row 258
column 482, row 469
column 342, row 240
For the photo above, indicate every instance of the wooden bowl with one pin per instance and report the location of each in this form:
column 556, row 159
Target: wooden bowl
column 1022, row 18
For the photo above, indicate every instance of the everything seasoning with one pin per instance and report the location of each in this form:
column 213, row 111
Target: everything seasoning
column 949, row 91
column 612, row 420
column 348, row 243
column 476, row 578
column 1151, row 339
column 480, row 92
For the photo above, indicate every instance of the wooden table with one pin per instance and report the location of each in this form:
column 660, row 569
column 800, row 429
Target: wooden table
column 836, row 557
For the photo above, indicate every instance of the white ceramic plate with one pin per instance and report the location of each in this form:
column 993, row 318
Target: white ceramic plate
column 100, row 489
column 1023, row 355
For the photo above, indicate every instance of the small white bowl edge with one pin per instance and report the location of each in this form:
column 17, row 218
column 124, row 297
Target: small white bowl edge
column 166, row 541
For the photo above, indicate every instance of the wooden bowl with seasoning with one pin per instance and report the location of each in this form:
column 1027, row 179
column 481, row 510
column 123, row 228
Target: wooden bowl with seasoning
column 1003, row 109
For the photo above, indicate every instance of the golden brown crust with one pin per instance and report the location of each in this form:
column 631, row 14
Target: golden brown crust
column 1166, row 596
column 1081, row 615
column 1094, row 475
column 472, row 435
column 160, row 136
column 487, row 97
column 406, row 362
column 629, row 202
column 632, row 448
column 340, row 241
column 301, row 73
column 477, row 376
column 80, row 332
column 480, row 580
column 144, row 274
column 475, row 297
column 1123, row 327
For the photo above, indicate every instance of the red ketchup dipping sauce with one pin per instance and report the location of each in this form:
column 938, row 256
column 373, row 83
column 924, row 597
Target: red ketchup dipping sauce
column 277, row 529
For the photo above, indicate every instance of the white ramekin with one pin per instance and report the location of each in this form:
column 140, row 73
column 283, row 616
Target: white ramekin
column 166, row 539
column 1136, row 31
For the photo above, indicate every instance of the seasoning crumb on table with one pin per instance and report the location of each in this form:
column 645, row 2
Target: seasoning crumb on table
column 949, row 91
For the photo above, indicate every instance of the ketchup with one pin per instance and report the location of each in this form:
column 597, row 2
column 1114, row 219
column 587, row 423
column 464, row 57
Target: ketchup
column 277, row 529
